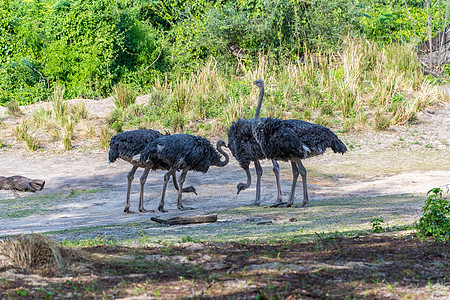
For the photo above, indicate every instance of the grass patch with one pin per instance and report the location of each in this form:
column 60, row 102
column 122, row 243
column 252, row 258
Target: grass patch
column 341, row 217
column 358, row 164
column 39, row 204
column 366, row 84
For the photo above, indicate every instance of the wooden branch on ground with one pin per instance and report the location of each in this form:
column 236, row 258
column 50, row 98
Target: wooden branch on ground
column 186, row 220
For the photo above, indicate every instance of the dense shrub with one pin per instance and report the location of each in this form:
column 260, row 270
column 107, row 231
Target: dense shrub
column 90, row 46
column 86, row 46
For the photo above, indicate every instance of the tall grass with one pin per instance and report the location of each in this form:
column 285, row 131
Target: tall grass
column 348, row 90
column 22, row 134
column 123, row 95
column 61, row 118
column 58, row 106
column 68, row 129
column 365, row 84
column 105, row 137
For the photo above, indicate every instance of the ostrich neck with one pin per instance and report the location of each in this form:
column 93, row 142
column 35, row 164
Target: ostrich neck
column 260, row 99
column 257, row 123
column 249, row 179
column 227, row 158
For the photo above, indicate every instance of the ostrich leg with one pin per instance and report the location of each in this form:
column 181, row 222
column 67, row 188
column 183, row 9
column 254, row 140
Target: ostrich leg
column 180, row 191
column 302, row 170
column 295, row 173
column 130, row 178
column 142, row 180
column 259, row 172
column 166, row 180
column 276, row 170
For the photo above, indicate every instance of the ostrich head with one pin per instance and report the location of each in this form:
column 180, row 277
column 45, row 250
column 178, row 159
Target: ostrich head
column 240, row 187
column 259, row 83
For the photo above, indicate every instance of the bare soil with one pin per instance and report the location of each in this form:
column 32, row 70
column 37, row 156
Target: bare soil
column 321, row 251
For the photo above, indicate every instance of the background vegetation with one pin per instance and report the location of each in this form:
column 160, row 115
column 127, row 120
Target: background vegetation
column 347, row 64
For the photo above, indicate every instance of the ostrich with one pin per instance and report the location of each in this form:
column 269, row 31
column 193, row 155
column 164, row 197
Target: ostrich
column 292, row 140
column 182, row 152
column 246, row 149
column 129, row 143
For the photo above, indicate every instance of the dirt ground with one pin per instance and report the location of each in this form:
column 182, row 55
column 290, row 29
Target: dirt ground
column 83, row 191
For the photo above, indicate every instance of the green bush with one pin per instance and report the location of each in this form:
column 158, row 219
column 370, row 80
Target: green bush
column 435, row 221
column 85, row 46
column 377, row 226
column 284, row 28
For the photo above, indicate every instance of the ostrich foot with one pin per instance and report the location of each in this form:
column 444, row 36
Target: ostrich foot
column 279, row 204
column 185, row 208
column 161, row 209
column 252, row 204
column 143, row 210
column 128, row 211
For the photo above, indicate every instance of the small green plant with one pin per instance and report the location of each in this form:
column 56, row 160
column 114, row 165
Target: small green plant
column 323, row 120
column 33, row 143
column 78, row 111
column 187, row 239
column 4, row 145
column 377, row 225
column 21, row 292
column 435, row 220
column 349, row 124
column 117, row 119
column 22, row 134
column 326, row 109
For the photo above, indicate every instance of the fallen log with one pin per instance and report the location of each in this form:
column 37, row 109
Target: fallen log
column 20, row 183
column 186, row 220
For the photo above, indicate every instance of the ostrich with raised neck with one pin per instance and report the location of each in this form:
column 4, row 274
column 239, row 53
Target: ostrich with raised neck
column 246, row 149
column 292, row 140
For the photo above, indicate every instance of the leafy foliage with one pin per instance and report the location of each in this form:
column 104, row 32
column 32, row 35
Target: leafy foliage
column 282, row 28
column 377, row 226
column 90, row 47
column 390, row 21
column 435, row 221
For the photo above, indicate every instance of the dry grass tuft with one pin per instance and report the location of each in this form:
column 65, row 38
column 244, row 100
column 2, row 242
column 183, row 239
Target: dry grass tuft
column 38, row 254
column 123, row 96
column 14, row 109
column 105, row 136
